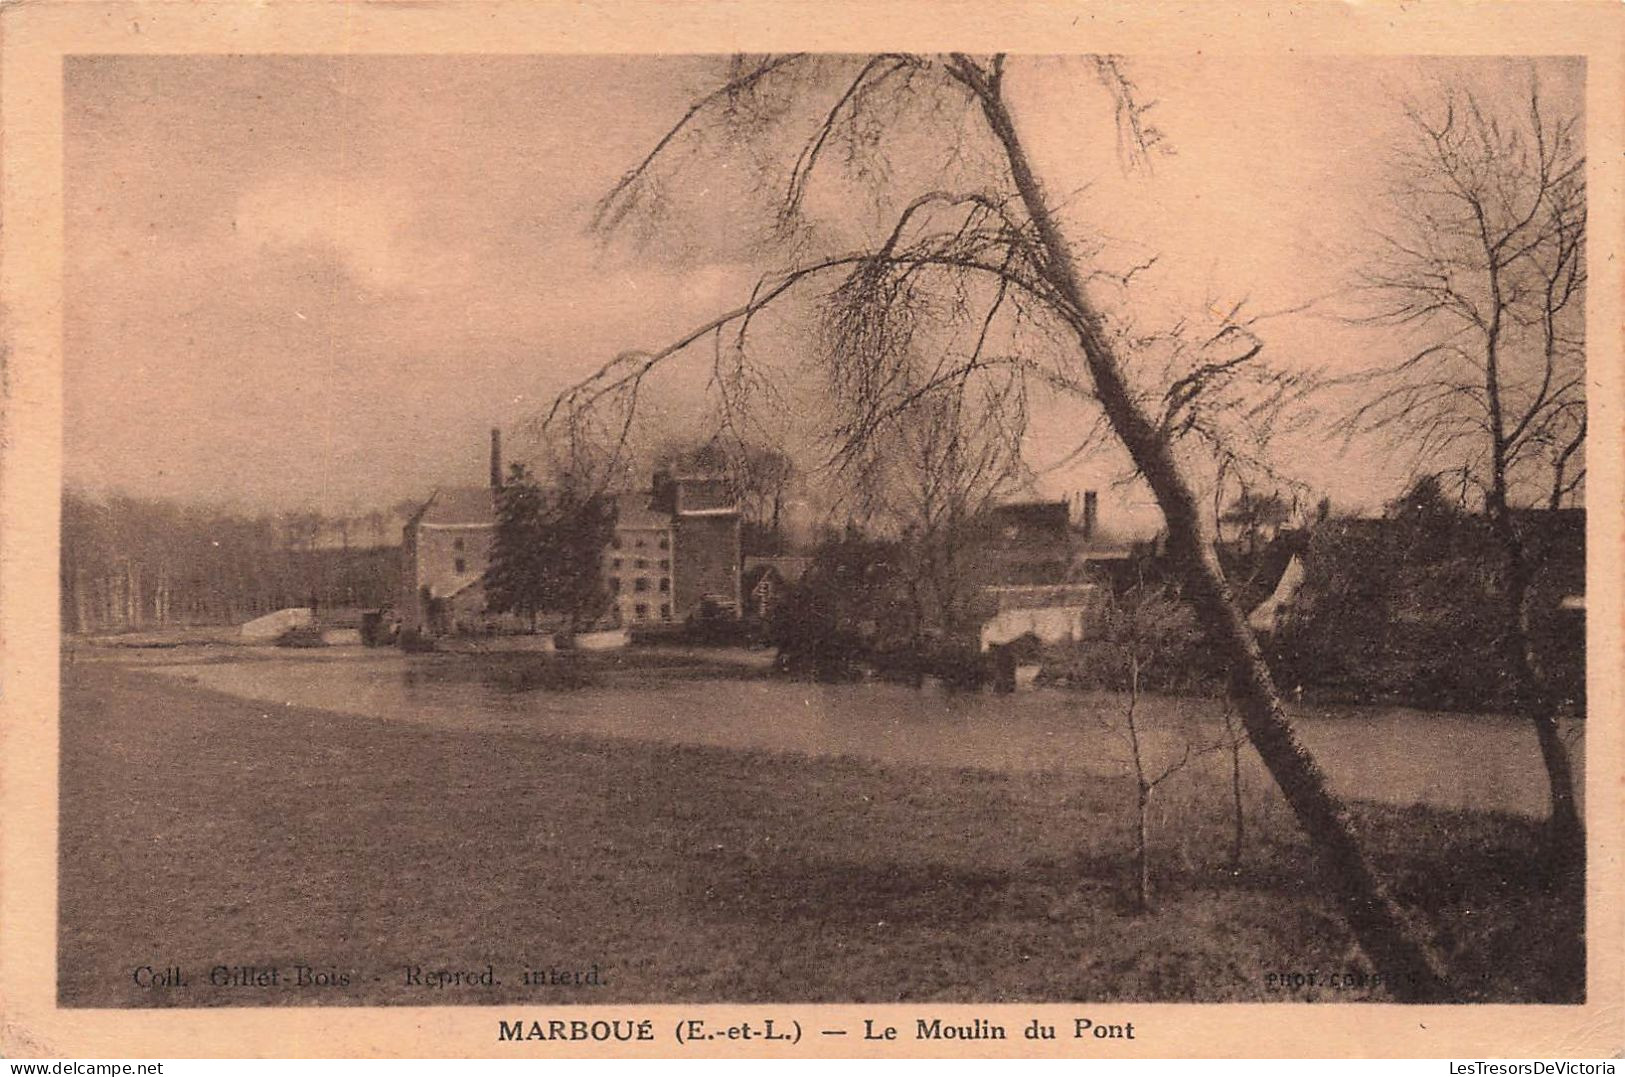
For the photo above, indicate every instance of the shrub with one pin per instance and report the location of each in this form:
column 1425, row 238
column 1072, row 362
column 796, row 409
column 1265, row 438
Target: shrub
column 415, row 641
column 301, row 636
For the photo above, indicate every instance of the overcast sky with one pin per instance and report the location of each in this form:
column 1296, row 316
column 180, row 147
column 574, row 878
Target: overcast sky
column 318, row 281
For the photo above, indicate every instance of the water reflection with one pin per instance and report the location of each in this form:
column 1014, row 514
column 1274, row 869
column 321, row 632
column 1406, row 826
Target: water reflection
column 1389, row 754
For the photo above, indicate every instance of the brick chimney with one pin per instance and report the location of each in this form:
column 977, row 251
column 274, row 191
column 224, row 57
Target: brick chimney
column 496, row 458
column 1091, row 513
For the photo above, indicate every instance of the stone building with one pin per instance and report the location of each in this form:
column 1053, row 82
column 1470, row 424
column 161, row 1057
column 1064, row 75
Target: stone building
column 639, row 564
column 705, row 522
column 445, row 550
column 675, row 553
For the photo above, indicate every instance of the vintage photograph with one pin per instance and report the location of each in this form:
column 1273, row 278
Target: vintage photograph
column 579, row 530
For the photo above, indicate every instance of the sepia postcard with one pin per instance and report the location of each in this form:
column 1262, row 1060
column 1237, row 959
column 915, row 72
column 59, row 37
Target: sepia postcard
column 791, row 530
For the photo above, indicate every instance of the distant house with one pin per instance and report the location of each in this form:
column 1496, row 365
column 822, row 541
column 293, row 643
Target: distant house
column 675, row 553
column 1266, row 616
column 1035, row 566
column 1041, row 542
column 1266, row 579
column 767, row 582
column 1025, row 542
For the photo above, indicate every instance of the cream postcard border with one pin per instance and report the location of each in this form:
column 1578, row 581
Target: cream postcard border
column 34, row 38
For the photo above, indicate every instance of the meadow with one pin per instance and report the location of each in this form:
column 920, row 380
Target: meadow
column 200, row 831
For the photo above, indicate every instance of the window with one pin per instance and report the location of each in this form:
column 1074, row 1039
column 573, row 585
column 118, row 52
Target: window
column 642, row 563
column 457, row 544
column 639, row 544
column 615, row 543
column 665, row 612
column 615, row 584
column 616, row 563
column 665, row 584
column 665, row 565
column 641, row 584
column 665, row 543
column 461, row 566
column 640, row 612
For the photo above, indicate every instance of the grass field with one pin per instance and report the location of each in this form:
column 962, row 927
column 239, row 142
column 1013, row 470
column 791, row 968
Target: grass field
column 201, row 831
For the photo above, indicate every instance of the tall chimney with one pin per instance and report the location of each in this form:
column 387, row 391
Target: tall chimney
column 496, row 458
column 1091, row 510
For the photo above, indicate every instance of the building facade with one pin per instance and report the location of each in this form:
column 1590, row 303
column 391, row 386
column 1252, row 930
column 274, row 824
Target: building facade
column 675, row 554
column 639, row 565
column 705, row 525
column 445, row 550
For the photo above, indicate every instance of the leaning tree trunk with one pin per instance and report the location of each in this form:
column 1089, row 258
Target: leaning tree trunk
column 1377, row 924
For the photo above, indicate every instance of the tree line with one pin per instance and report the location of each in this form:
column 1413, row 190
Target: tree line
column 131, row 562
column 1412, row 608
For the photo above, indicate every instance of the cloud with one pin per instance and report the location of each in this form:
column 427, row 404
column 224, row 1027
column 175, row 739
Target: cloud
column 371, row 229
column 312, row 277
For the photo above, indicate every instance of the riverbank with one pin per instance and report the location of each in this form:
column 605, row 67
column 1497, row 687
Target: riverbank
column 202, row 831
column 1397, row 756
column 472, row 656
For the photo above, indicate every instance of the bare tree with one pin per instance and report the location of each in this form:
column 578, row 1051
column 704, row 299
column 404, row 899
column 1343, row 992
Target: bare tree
column 1140, row 631
column 931, row 476
column 979, row 245
column 1482, row 273
column 1233, row 740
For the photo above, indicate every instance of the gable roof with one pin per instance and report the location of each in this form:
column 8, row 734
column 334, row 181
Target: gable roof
column 459, row 505
column 787, row 568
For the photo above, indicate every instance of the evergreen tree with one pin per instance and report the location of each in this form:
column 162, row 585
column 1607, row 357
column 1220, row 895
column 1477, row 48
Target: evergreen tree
column 516, row 579
column 579, row 528
column 547, row 554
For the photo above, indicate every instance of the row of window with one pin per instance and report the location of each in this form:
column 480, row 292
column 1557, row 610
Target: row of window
column 639, row 542
column 460, row 566
column 664, row 563
column 641, row 583
column 640, row 612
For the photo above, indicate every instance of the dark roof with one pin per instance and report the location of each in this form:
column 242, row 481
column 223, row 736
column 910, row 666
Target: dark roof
column 1029, row 521
column 754, row 573
column 1554, row 542
column 1025, row 542
column 459, row 505
column 709, row 493
column 1255, row 576
column 635, row 510
column 789, row 569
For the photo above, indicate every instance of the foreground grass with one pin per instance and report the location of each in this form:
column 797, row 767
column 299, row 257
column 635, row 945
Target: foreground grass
column 198, row 830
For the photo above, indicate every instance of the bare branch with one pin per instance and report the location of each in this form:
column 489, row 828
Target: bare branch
column 613, row 206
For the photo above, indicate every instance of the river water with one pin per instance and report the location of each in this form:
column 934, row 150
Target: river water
column 1389, row 754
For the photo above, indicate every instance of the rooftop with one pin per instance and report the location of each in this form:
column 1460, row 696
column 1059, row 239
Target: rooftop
column 459, row 505
column 634, row 512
